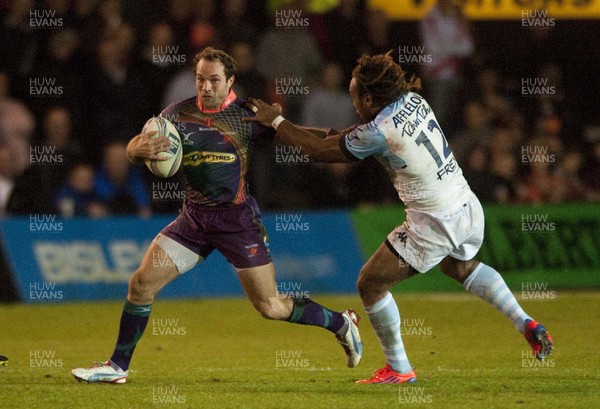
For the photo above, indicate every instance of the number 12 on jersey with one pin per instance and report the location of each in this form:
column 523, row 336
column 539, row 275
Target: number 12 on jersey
column 422, row 139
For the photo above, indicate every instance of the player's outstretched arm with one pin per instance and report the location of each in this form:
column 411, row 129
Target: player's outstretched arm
column 320, row 150
column 143, row 147
column 320, row 133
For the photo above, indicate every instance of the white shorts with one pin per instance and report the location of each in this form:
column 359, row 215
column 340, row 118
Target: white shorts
column 426, row 238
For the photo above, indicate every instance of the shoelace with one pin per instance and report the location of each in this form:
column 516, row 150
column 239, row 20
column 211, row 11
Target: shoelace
column 382, row 373
column 99, row 364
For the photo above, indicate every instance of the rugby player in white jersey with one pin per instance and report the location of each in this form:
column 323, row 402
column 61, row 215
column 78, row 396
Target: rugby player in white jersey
column 444, row 219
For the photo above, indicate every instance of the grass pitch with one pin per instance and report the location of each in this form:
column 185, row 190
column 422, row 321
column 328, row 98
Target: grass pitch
column 222, row 354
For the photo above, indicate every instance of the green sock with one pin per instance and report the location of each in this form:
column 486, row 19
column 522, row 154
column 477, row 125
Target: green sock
column 133, row 323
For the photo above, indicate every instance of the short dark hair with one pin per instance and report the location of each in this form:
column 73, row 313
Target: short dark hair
column 382, row 78
column 212, row 54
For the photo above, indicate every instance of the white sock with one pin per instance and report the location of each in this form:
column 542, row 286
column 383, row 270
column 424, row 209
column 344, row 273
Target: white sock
column 385, row 319
column 488, row 284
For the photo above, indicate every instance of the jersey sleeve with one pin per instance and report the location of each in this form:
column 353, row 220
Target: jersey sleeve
column 259, row 131
column 364, row 141
column 170, row 112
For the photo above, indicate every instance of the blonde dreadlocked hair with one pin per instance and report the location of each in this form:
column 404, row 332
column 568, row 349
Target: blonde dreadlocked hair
column 382, row 78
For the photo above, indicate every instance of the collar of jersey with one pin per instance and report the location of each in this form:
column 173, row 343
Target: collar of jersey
column 226, row 102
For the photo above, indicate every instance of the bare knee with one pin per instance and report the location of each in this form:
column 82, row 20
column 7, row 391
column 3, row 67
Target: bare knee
column 370, row 290
column 362, row 284
column 140, row 288
column 458, row 269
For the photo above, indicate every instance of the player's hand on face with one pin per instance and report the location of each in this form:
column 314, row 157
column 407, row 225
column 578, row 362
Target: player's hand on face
column 148, row 147
column 263, row 112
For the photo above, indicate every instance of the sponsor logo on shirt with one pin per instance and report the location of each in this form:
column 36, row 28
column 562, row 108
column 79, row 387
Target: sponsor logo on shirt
column 354, row 135
column 252, row 250
column 186, row 138
column 198, row 157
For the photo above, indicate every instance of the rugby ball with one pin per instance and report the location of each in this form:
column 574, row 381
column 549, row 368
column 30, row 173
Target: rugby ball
column 170, row 166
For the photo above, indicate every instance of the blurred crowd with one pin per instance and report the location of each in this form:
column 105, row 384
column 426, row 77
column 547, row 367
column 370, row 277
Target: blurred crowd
column 78, row 79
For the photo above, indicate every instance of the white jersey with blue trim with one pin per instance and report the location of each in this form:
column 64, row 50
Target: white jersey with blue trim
column 407, row 139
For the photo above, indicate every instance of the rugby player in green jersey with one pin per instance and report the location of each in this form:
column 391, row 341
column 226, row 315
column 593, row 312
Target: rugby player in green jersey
column 218, row 213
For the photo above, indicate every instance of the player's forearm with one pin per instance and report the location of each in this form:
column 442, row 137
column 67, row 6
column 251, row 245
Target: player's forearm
column 318, row 150
column 320, row 133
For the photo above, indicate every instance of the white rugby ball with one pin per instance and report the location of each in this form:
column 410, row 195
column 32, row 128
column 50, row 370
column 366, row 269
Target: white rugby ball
column 170, row 166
